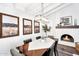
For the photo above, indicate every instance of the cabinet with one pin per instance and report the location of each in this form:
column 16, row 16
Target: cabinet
column 77, row 46
column 66, row 49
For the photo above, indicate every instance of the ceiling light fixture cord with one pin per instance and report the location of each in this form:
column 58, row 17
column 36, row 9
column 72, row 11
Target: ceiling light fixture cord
column 42, row 9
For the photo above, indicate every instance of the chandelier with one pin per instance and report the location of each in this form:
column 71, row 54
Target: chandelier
column 41, row 17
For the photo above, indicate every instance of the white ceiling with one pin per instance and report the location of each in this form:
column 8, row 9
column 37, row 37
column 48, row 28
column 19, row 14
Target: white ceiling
column 33, row 9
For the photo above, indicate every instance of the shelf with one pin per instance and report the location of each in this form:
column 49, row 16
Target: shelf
column 77, row 26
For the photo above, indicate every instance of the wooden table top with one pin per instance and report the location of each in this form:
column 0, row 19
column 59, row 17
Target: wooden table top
column 38, row 52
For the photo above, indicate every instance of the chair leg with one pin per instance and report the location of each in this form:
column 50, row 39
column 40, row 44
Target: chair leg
column 56, row 52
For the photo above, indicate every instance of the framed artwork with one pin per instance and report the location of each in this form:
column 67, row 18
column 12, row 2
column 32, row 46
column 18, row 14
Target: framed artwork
column 36, row 27
column 66, row 20
column 9, row 25
column 27, row 26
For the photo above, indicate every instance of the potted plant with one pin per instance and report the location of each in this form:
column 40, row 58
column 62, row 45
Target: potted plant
column 46, row 28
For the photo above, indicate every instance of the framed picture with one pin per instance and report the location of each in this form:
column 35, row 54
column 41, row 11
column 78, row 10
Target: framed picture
column 36, row 27
column 27, row 26
column 66, row 20
column 9, row 25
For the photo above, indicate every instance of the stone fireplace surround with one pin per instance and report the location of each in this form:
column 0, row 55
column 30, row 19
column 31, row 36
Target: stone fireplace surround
column 67, row 37
column 71, row 31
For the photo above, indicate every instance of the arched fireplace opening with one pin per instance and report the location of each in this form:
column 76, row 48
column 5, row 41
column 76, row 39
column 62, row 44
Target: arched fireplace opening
column 67, row 37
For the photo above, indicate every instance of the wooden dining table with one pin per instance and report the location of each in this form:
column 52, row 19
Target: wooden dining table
column 37, row 47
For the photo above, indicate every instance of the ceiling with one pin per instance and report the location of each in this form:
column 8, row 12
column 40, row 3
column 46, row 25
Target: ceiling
column 34, row 9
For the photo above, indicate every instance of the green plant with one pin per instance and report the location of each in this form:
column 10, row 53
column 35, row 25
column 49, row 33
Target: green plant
column 45, row 28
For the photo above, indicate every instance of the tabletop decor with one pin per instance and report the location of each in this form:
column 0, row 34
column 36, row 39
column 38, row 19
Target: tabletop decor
column 46, row 28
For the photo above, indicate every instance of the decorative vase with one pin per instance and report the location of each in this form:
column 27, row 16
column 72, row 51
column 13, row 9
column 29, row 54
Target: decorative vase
column 75, row 22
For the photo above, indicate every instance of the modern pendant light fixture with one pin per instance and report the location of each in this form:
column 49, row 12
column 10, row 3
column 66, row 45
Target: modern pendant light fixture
column 41, row 17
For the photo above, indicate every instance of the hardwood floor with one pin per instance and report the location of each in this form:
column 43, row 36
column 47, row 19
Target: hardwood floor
column 66, row 50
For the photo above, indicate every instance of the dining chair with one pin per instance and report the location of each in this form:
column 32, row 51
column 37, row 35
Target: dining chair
column 47, row 53
column 38, row 37
column 14, row 52
column 27, row 41
column 55, row 48
column 52, row 50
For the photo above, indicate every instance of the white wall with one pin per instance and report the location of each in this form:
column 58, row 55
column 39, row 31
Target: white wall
column 11, row 42
column 69, row 10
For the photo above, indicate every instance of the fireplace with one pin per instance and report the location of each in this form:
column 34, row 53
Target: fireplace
column 67, row 37
column 70, row 32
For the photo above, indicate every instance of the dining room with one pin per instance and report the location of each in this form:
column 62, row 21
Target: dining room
column 39, row 29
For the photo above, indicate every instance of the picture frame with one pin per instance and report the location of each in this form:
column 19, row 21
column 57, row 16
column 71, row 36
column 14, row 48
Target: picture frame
column 9, row 25
column 27, row 26
column 66, row 21
column 36, row 27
